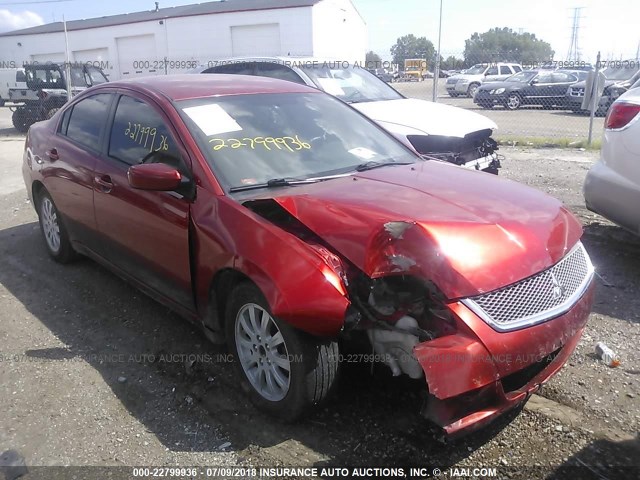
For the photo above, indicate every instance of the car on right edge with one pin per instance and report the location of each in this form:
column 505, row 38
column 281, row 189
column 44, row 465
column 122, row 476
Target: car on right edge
column 618, row 79
column 612, row 186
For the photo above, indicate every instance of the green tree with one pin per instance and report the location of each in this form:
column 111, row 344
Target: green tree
column 411, row 46
column 373, row 60
column 451, row 63
column 503, row 44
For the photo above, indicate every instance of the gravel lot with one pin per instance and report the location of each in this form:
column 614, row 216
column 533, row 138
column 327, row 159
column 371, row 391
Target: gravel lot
column 92, row 372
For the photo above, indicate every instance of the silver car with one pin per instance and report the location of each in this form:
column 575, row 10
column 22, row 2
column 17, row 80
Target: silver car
column 612, row 186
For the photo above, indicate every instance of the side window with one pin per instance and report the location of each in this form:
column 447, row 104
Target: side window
column 20, row 76
column 545, row 77
column 274, row 70
column 139, row 131
column 504, row 70
column 87, row 119
column 561, row 77
column 64, row 124
column 236, row 68
column 516, row 68
column 492, row 71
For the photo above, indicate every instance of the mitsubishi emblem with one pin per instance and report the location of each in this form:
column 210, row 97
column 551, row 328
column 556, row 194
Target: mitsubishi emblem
column 558, row 290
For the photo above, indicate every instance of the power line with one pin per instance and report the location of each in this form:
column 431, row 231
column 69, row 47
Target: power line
column 574, row 50
column 34, row 3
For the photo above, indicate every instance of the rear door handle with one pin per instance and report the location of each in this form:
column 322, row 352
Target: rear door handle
column 104, row 183
column 53, row 154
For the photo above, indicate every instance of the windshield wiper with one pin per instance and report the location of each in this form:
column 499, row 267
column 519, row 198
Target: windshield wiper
column 272, row 183
column 371, row 164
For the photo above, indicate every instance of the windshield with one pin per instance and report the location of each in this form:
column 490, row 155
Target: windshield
column 475, row 70
column 77, row 77
column 96, row 76
column 351, row 84
column 620, row 73
column 521, row 77
column 251, row 139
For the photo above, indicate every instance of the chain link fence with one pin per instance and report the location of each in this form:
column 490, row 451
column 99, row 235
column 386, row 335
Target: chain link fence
column 538, row 102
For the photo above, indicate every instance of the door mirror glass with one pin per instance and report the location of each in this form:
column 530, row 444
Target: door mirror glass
column 154, row 176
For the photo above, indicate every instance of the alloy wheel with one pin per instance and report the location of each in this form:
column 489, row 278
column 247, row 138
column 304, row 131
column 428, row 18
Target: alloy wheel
column 262, row 352
column 50, row 225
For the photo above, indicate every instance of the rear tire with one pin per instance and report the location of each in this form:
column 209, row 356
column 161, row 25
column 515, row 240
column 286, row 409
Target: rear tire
column 284, row 371
column 471, row 91
column 20, row 120
column 53, row 231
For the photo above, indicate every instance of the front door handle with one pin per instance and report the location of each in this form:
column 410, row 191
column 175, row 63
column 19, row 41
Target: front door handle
column 53, row 154
column 104, row 183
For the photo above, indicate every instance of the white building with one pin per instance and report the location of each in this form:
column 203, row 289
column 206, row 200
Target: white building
column 171, row 40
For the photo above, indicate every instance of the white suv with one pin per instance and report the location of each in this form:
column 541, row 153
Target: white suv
column 469, row 80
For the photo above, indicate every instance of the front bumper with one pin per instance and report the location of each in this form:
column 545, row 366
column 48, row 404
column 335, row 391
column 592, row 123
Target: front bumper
column 483, row 97
column 478, row 374
column 574, row 102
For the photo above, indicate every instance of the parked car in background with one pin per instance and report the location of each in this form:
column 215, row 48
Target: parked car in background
column 618, row 80
column 612, row 186
column 382, row 74
column 469, row 80
column 543, row 87
column 285, row 223
column 449, row 133
column 10, row 79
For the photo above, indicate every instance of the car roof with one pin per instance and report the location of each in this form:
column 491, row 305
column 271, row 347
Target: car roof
column 187, row 86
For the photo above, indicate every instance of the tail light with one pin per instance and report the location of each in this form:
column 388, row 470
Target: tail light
column 621, row 115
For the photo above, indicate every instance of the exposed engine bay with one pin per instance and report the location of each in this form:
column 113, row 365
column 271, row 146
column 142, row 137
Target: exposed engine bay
column 475, row 150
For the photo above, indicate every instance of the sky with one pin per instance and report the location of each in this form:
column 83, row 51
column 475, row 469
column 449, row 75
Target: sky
column 609, row 26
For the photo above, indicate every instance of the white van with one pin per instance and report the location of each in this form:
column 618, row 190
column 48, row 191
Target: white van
column 11, row 79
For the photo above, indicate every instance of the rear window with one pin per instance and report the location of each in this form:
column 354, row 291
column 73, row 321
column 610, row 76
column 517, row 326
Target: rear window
column 87, row 120
column 20, row 76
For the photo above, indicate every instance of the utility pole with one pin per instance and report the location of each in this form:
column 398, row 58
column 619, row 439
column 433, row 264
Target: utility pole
column 436, row 70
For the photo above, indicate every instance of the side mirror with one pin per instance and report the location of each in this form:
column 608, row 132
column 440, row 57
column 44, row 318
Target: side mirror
column 534, row 81
column 154, row 176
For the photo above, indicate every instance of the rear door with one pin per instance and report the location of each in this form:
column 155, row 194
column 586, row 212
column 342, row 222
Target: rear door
column 68, row 160
column 561, row 83
column 144, row 233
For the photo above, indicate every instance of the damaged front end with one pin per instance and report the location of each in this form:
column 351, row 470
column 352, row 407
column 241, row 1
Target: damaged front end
column 473, row 372
column 476, row 150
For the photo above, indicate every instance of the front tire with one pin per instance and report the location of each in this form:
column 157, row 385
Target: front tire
column 513, row 102
column 284, row 371
column 55, row 235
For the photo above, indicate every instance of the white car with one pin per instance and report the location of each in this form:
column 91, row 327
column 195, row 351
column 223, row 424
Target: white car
column 612, row 186
column 468, row 81
column 448, row 133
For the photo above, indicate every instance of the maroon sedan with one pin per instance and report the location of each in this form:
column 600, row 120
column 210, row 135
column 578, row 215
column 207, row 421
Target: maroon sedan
column 284, row 221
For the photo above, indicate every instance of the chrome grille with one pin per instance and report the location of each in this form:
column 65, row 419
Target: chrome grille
column 537, row 298
column 577, row 92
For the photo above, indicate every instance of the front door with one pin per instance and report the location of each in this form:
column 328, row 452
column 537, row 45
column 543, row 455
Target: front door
column 145, row 233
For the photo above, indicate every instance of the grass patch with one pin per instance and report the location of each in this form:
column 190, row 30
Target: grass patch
column 549, row 142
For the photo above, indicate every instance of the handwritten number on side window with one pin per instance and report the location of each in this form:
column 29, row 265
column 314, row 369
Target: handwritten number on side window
column 147, row 137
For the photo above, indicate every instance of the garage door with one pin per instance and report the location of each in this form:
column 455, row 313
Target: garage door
column 48, row 57
column 252, row 40
column 97, row 56
column 137, row 56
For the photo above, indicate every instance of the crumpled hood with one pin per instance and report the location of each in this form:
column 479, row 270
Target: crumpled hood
column 468, row 232
column 410, row 116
